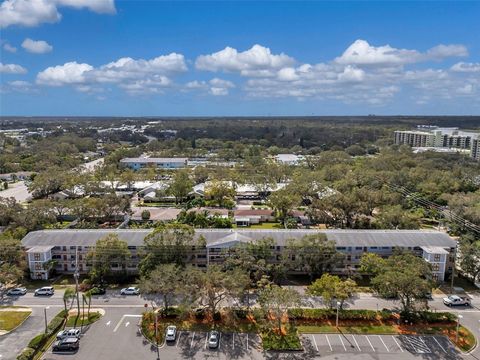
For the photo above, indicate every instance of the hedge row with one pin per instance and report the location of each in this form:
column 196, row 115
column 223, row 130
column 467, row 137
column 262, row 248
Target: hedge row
column 39, row 341
column 328, row 314
column 369, row 315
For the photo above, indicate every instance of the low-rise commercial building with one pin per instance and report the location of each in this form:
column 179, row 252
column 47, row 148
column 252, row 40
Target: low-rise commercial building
column 159, row 163
column 66, row 247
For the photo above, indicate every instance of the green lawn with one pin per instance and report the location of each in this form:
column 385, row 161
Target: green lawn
column 9, row 320
column 94, row 316
column 266, row 225
column 289, row 341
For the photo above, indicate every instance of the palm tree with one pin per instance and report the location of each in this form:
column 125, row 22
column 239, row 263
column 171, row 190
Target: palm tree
column 67, row 296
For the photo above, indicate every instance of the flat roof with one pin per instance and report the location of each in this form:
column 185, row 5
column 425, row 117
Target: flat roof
column 153, row 160
column 342, row 238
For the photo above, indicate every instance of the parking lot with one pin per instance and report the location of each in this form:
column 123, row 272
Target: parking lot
column 429, row 346
column 121, row 339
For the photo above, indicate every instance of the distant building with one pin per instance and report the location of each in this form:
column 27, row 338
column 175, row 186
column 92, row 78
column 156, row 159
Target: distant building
column 159, row 163
column 289, row 159
column 63, row 246
column 439, row 138
column 475, row 152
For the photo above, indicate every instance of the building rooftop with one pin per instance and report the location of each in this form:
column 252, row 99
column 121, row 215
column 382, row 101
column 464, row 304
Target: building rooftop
column 342, row 238
column 153, row 160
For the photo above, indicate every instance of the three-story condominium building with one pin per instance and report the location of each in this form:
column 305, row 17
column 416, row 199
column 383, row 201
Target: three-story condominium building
column 70, row 247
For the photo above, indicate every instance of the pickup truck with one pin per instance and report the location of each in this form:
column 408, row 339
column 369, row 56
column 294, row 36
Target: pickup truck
column 455, row 300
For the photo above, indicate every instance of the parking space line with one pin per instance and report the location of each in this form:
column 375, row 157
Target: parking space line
column 314, row 342
column 193, row 337
column 370, row 343
column 219, row 338
column 441, row 347
column 425, row 344
column 383, row 343
column 247, row 341
column 396, row 342
column 178, row 339
column 233, row 341
column 356, row 343
column 328, row 341
column 206, row 340
column 341, row 340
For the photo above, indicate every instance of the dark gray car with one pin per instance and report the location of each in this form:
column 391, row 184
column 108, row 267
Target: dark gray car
column 67, row 344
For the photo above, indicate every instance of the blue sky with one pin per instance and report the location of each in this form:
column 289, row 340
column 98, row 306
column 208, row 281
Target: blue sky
column 135, row 58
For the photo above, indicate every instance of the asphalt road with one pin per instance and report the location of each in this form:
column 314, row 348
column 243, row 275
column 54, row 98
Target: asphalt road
column 116, row 335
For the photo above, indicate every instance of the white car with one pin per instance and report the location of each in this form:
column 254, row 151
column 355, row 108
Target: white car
column 68, row 333
column 455, row 300
column 17, row 291
column 171, row 334
column 46, row 290
column 213, row 339
column 130, row 291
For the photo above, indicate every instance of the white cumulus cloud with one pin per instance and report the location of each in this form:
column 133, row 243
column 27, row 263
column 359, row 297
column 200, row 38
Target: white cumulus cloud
column 31, row 13
column 134, row 76
column 363, row 54
column 257, row 61
column 12, row 69
column 9, row 48
column 466, row 67
column 36, row 46
column 66, row 74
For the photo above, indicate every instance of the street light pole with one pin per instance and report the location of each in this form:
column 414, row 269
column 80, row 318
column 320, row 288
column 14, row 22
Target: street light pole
column 338, row 309
column 156, row 334
column 45, row 313
column 458, row 327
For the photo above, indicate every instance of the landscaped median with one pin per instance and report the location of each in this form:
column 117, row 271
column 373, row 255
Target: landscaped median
column 12, row 317
column 283, row 335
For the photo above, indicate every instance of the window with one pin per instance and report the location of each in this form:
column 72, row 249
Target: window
column 38, row 266
column 340, row 248
column 437, row 257
column 36, row 256
column 436, row 267
column 358, row 248
column 72, row 247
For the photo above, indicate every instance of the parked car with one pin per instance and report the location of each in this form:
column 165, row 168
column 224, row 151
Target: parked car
column 97, row 290
column 130, row 291
column 46, row 291
column 66, row 344
column 68, row 333
column 213, row 339
column 171, row 334
column 17, row 291
column 455, row 300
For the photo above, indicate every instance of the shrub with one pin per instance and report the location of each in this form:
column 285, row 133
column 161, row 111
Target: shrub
column 171, row 313
column 217, row 316
column 37, row 341
column 434, row 317
column 145, row 215
column 26, row 354
column 240, row 313
column 200, row 314
column 64, row 282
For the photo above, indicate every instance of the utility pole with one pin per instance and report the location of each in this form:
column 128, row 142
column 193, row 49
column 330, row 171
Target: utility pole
column 453, row 269
column 76, row 275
